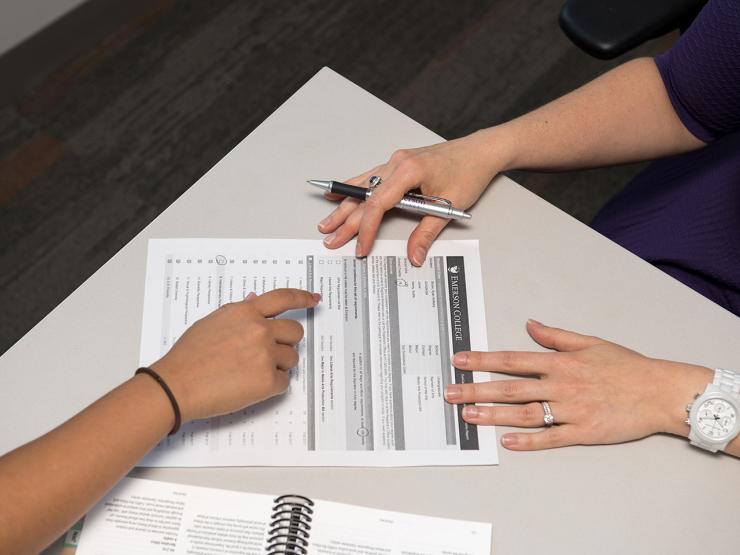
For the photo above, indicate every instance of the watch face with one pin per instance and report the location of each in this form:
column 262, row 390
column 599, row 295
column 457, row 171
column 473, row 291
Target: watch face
column 716, row 419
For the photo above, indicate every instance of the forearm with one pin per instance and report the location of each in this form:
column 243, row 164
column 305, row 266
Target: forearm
column 235, row 357
column 623, row 116
column 734, row 447
column 51, row 482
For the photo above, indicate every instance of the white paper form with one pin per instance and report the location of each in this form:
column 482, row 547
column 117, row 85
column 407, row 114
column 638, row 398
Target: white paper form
column 148, row 517
column 368, row 390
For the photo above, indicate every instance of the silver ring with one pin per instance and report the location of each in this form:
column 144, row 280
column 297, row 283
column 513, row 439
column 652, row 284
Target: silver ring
column 549, row 418
column 375, row 181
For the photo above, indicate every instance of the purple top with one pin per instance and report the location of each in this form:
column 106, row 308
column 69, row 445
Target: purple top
column 682, row 213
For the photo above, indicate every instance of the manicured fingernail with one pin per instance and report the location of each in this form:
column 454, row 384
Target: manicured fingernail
column 534, row 322
column 420, row 253
column 329, row 239
column 324, row 222
column 358, row 250
column 470, row 411
column 252, row 295
column 453, row 392
column 508, row 440
column 460, row 359
column 316, row 296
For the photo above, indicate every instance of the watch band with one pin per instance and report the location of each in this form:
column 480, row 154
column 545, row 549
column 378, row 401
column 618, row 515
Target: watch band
column 727, row 380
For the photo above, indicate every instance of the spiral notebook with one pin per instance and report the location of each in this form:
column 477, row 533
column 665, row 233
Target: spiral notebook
column 148, row 517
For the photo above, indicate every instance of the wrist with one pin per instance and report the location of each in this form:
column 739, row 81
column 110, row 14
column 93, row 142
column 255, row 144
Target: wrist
column 496, row 148
column 149, row 394
column 681, row 383
column 168, row 371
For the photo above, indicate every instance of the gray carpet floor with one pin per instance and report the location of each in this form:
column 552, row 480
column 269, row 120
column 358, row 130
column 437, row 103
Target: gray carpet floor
column 107, row 116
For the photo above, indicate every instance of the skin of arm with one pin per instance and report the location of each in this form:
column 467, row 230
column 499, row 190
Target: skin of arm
column 49, row 483
column 622, row 116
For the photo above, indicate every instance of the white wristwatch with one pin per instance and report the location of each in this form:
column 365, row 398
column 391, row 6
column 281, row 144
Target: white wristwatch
column 714, row 416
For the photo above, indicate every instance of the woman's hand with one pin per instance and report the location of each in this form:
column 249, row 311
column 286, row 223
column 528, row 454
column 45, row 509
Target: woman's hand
column 458, row 170
column 235, row 356
column 590, row 127
column 599, row 392
column 232, row 358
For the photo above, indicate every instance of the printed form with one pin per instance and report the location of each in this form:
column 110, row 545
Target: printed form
column 374, row 361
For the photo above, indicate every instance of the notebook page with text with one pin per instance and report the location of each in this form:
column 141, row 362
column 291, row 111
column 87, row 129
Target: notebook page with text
column 149, row 517
column 339, row 529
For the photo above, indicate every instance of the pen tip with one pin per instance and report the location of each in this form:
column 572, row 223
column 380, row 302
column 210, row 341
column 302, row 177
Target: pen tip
column 319, row 183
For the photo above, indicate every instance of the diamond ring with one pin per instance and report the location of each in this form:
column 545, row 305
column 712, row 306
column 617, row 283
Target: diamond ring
column 549, row 418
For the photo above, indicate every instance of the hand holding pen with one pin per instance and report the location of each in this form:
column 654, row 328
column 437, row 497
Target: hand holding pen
column 411, row 202
column 455, row 170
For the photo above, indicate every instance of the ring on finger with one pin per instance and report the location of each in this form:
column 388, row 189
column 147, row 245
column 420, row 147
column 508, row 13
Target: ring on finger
column 549, row 418
column 375, row 181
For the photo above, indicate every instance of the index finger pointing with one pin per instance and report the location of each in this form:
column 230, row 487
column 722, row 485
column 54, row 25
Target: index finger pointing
column 278, row 301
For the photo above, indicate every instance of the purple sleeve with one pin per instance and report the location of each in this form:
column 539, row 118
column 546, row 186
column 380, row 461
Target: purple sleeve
column 702, row 71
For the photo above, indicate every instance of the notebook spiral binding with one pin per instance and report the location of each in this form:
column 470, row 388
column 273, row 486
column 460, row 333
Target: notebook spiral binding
column 290, row 525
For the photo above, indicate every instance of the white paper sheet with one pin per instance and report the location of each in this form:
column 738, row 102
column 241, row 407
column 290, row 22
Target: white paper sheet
column 148, row 517
column 368, row 390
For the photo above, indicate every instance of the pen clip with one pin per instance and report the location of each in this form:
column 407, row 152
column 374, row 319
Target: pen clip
column 436, row 200
column 375, row 181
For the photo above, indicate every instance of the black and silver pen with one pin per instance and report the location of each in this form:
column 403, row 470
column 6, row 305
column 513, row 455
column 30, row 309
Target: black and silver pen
column 421, row 204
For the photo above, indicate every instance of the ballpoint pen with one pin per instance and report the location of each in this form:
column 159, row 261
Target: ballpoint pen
column 413, row 202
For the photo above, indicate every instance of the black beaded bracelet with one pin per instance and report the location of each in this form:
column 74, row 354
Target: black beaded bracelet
column 168, row 391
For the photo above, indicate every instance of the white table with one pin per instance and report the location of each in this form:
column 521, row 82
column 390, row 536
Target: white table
column 652, row 496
